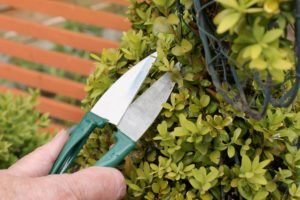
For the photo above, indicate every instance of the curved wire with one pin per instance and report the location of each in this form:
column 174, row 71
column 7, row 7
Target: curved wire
column 237, row 86
column 216, row 57
column 240, row 101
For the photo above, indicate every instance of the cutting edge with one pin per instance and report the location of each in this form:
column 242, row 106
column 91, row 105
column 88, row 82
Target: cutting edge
column 115, row 101
column 143, row 111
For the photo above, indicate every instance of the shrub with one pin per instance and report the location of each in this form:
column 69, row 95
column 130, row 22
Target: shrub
column 199, row 147
column 19, row 127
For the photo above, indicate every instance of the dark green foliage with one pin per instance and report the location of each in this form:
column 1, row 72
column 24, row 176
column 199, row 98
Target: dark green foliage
column 199, row 147
column 19, row 127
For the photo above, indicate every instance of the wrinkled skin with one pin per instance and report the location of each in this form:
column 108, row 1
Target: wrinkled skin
column 28, row 179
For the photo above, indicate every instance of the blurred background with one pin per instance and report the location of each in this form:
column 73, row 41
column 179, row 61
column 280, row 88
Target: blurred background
column 46, row 45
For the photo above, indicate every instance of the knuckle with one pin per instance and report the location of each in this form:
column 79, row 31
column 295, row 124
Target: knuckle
column 68, row 195
column 71, row 191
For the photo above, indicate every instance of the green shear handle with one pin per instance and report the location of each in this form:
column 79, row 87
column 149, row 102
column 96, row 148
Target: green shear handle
column 78, row 138
column 116, row 107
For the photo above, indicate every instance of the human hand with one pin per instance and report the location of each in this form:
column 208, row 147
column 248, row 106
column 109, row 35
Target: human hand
column 29, row 179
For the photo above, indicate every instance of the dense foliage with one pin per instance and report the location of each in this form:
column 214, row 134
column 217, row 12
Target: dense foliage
column 200, row 147
column 19, row 127
column 256, row 42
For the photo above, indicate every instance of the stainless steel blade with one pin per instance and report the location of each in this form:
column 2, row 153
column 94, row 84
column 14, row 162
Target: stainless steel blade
column 114, row 102
column 142, row 112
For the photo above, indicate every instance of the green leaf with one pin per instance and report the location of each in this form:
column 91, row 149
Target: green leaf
column 172, row 19
column 221, row 15
column 229, row 3
column 258, row 63
column 263, row 164
column 261, row 195
column 258, row 32
column 155, row 188
column 186, row 46
column 258, row 180
column 277, row 75
column 293, row 189
column 167, row 106
column 247, row 194
column 159, row 2
column 246, row 164
column 95, row 57
column 163, row 128
column 230, row 151
column 282, row 64
column 271, row 6
column 255, row 163
column 206, row 196
column 180, row 132
column 227, row 121
column 272, row 35
column 160, row 25
column 140, row 13
column 204, row 100
column 206, row 187
column 134, row 187
column 218, row 120
column 271, row 186
column 189, row 168
column 187, row 124
column 228, row 22
column 212, row 175
column 170, row 2
column 177, row 51
column 196, row 184
column 215, row 157
column 289, row 159
column 256, row 51
column 236, row 134
column 200, row 174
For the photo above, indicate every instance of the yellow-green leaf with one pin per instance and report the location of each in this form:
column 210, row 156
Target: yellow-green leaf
column 271, row 186
column 258, row 63
column 230, row 151
column 261, row 195
column 177, row 51
column 271, row 6
column 155, row 187
column 246, row 164
column 219, row 17
column 172, row 19
column 255, row 51
column 272, row 35
column 161, row 26
column 195, row 183
column 186, row 45
column 215, row 157
column 187, row 124
column 282, row 64
column 228, row 22
column 229, row 3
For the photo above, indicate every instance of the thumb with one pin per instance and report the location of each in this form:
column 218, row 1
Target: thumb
column 97, row 183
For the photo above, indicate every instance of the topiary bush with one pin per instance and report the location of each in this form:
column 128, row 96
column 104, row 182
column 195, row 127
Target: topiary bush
column 20, row 126
column 200, row 147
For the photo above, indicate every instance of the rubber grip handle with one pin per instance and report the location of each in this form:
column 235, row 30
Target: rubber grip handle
column 118, row 152
column 77, row 139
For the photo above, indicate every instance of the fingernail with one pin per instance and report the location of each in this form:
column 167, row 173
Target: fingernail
column 60, row 134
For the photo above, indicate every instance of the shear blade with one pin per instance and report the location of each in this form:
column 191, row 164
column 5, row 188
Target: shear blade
column 143, row 111
column 115, row 101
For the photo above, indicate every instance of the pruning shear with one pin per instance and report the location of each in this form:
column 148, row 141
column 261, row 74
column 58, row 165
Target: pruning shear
column 116, row 107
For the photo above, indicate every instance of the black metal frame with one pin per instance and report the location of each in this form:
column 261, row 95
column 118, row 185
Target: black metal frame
column 216, row 57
